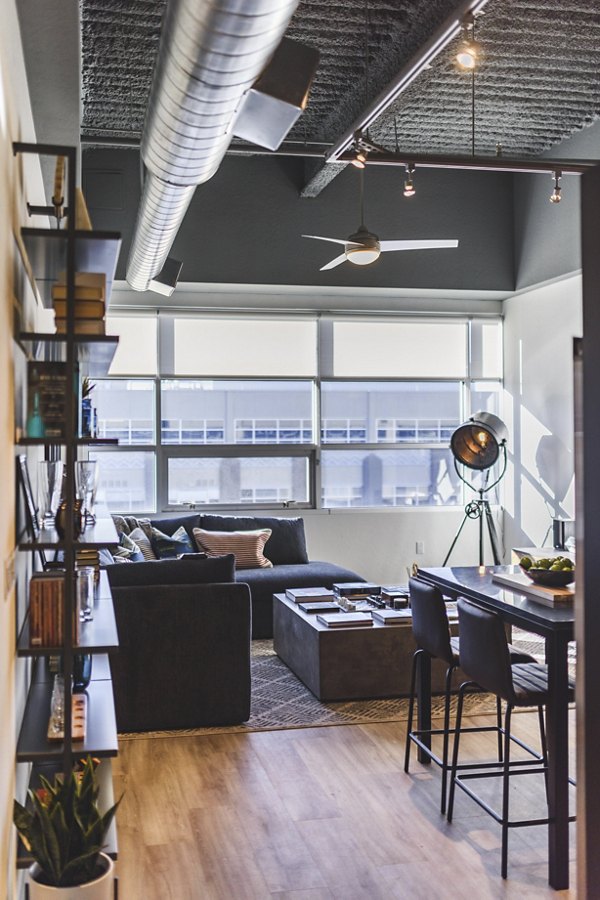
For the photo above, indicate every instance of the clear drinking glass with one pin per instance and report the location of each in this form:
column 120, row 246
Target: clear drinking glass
column 84, row 592
column 49, row 490
column 86, row 484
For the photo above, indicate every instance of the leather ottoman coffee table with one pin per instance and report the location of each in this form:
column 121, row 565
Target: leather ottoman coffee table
column 346, row 663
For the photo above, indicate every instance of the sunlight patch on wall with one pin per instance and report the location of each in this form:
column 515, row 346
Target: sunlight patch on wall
column 532, row 432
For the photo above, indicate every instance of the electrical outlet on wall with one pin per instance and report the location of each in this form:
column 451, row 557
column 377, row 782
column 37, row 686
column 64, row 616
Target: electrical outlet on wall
column 420, row 548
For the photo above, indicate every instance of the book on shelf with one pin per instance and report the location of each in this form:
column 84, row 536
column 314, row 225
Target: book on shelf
column 549, row 596
column 296, row 595
column 322, row 606
column 345, row 620
column 46, row 399
column 46, row 610
column 84, row 309
column 391, row 616
column 356, row 590
column 88, row 286
column 81, row 326
column 394, row 591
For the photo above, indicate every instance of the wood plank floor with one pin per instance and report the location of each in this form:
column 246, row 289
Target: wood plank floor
column 312, row 814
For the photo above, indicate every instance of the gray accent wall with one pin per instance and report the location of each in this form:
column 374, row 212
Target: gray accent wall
column 245, row 225
column 547, row 235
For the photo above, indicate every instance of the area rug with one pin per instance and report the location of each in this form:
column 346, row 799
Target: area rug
column 280, row 701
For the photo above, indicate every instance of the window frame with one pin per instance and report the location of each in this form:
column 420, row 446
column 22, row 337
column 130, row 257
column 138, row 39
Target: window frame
column 163, row 452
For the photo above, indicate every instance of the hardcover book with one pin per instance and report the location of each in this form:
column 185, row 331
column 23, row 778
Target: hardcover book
column 356, row 589
column 391, row 616
column 46, row 399
column 296, row 595
column 345, row 620
column 319, row 607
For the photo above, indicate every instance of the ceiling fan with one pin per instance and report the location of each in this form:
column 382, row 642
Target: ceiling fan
column 363, row 247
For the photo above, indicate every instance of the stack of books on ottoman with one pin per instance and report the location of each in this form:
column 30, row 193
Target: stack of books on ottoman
column 90, row 303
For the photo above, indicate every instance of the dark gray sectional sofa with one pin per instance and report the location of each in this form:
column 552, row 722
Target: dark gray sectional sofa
column 286, row 549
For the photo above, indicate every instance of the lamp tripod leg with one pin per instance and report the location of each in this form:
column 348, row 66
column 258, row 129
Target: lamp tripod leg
column 494, row 540
column 456, row 537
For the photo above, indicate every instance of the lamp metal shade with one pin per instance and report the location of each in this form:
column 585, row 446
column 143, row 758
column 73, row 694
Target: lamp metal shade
column 476, row 444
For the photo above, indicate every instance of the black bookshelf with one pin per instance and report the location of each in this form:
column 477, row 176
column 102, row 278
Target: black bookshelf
column 94, row 352
column 98, row 636
column 101, row 730
column 95, row 251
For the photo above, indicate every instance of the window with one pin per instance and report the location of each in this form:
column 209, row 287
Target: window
column 237, row 480
column 389, row 478
column 389, row 412
column 240, row 414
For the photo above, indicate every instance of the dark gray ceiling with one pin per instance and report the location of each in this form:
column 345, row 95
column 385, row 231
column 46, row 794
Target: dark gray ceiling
column 538, row 83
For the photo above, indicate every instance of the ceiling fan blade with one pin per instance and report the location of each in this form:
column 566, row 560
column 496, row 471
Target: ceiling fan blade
column 415, row 245
column 334, row 262
column 318, row 237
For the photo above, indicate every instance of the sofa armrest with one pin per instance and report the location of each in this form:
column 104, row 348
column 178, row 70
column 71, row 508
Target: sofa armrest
column 184, row 657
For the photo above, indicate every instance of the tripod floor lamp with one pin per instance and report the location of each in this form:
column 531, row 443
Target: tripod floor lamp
column 477, row 444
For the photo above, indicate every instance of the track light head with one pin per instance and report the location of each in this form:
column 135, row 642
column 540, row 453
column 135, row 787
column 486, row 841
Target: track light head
column 409, row 185
column 555, row 196
column 360, row 154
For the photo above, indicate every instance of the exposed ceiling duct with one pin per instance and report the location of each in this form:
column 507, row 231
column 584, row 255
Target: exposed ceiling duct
column 210, row 54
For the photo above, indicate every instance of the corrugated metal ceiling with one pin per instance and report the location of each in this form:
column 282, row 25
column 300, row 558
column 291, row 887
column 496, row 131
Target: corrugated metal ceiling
column 539, row 80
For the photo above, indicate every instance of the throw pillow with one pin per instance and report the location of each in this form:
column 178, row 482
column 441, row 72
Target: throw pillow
column 246, row 546
column 167, row 546
column 143, row 542
column 287, row 544
column 128, row 550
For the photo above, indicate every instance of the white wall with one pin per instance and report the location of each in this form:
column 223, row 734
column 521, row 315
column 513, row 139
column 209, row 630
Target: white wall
column 539, row 328
column 379, row 545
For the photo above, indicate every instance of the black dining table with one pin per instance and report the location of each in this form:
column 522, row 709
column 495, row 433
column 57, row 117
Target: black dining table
column 556, row 626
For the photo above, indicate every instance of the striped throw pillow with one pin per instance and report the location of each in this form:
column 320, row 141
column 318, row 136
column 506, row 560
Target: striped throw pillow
column 143, row 542
column 246, row 546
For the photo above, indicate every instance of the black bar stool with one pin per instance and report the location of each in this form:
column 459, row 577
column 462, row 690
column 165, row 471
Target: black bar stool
column 431, row 632
column 485, row 658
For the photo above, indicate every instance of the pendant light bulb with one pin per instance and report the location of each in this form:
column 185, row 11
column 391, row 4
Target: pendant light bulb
column 469, row 52
column 360, row 154
column 555, row 196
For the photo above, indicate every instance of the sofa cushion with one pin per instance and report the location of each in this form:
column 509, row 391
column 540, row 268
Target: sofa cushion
column 128, row 550
column 287, row 544
column 167, row 546
column 170, row 526
column 139, row 536
column 247, row 546
column 192, row 569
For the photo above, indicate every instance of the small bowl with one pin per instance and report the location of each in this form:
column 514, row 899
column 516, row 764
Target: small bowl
column 547, row 578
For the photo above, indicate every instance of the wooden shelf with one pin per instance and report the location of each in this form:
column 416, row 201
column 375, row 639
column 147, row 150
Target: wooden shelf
column 95, row 251
column 98, row 636
column 106, row 799
column 102, row 534
column 95, row 352
column 101, row 738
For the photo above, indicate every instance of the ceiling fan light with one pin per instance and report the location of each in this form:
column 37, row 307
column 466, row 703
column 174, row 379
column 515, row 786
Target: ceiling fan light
column 362, row 256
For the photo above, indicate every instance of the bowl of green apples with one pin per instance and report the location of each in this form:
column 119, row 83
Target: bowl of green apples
column 555, row 571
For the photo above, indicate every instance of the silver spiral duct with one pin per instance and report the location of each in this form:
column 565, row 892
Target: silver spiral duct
column 211, row 52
